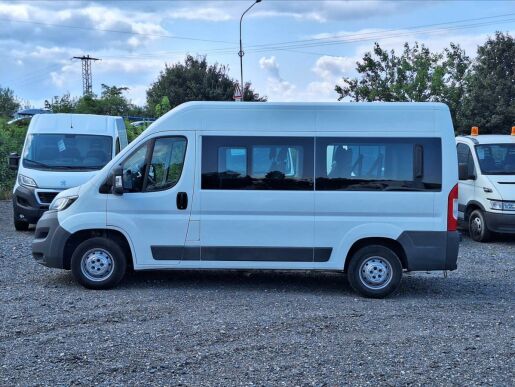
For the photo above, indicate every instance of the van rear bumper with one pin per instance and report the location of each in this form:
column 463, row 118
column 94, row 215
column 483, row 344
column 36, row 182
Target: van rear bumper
column 49, row 241
column 430, row 250
column 499, row 222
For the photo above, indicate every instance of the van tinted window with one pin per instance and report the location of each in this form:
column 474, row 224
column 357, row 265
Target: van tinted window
column 465, row 157
column 379, row 164
column 154, row 166
column 277, row 163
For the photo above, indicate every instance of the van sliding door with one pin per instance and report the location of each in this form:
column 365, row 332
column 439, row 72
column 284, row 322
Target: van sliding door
column 257, row 201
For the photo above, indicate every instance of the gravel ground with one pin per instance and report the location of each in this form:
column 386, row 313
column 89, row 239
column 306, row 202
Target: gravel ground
column 265, row 328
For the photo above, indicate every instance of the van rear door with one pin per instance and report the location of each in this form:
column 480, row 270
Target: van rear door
column 154, row 210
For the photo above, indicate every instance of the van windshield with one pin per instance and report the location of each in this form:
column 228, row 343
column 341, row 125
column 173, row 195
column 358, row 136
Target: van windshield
column 67, row 151
column 496, row 159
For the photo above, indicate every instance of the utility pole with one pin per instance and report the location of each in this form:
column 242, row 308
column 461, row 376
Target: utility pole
column 87, row 76
column 241, row 52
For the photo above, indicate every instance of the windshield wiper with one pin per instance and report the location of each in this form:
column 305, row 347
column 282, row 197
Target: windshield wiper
column 38, row 163
column 71, row 167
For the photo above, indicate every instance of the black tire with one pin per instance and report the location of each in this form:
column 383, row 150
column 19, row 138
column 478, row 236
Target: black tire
column 21, row 225
column 378, row 262
column 478, row 229
column 84, row 262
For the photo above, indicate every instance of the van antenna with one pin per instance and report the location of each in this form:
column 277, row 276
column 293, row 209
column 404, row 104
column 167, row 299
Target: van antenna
column 71, row 121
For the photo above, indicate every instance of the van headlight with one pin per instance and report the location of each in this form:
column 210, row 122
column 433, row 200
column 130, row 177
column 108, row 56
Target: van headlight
column 63, row 203
column 501, row 205
column 26, row 181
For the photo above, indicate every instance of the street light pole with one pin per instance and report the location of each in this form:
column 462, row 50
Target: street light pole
column 241, row 53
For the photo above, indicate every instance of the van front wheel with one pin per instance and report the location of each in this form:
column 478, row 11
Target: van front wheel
column 375, row 271
column 21, row 225
column 478, row 228
column 98, row 263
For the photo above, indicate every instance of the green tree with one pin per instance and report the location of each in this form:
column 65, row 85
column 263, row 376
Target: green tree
column 89, row 104
column 113, row 102
column 163, row 106
column 195, row 80
column 63, row 104
column 489, row 101
column 11, row 140
column 9, row 104
column 416, row 75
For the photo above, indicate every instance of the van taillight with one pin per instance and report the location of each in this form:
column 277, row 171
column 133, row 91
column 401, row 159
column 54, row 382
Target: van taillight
column 452, row 209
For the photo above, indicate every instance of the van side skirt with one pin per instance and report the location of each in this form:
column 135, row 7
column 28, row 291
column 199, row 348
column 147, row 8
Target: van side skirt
column 243, row 253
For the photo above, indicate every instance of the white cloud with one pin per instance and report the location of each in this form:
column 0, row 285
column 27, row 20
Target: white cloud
column 137, row 94
column 330, row 67
column 277, row 88
column 206, row 14
column 322, row 11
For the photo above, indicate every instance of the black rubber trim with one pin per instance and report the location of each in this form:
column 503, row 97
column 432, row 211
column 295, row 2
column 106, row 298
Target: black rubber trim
column 500, row 222
column 430, row 250
column 25, row 203
column 247, row 253
column 49, row 241
column 176, row 253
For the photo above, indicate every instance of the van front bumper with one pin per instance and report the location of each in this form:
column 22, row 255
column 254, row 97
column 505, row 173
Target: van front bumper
column 25, row 206
column 49, row 241
column 500, row 222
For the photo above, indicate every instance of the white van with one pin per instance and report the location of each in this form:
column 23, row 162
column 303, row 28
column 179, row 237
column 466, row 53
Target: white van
column 367, row 189
column 487, row 184
column 61, row 151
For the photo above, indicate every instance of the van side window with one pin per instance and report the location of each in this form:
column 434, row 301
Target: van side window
column 155, row 166
column 134, row 169
column 166, row 165
column 232, row 161
column 257, row 163
column 465, row 157
column 379, row 164
column 117, row 146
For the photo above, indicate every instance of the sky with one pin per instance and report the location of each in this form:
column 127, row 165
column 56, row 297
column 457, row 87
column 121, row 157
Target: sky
column 294, row 50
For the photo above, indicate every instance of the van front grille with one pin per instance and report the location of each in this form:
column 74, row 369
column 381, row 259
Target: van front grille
column 47, row 197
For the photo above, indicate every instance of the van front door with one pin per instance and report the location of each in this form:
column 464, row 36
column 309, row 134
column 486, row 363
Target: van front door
column 155, row 207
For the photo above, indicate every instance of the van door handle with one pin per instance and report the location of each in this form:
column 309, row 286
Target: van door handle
column 182, row 200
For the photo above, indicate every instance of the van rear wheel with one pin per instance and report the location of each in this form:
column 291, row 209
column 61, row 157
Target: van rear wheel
column 98, row 263
column 375, row 271
column 478, row 229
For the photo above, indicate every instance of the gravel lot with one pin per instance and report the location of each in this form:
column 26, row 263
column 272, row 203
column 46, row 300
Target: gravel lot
column 233, row 328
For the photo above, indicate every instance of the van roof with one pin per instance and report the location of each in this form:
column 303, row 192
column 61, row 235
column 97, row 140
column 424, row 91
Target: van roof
column 387, row 117
column 73, row 123
column 488, row 139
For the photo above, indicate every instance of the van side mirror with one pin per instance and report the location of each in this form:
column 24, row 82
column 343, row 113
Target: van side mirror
column 14, row 161
column 118, row 181
column 463, row 172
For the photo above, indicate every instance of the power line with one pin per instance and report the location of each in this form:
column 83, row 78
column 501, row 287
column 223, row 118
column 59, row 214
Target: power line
column 350, row 38
column 337, row 36
column 114, row 31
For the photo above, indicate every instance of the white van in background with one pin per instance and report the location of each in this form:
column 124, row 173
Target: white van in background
column 487, row 183
column 61, row 151
column 369, row 189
